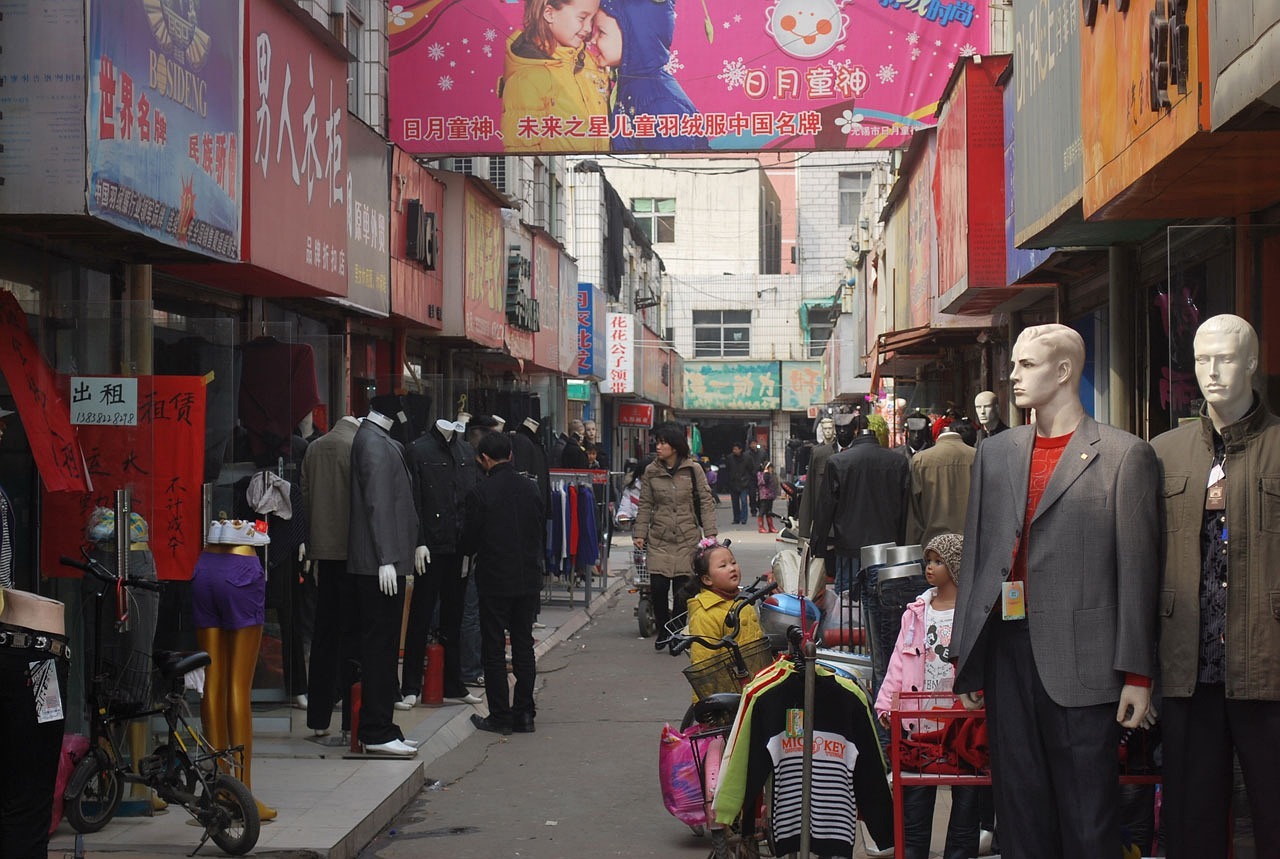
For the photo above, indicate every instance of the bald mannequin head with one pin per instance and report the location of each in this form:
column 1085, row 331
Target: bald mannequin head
column 1226, row 353
column 986, row 408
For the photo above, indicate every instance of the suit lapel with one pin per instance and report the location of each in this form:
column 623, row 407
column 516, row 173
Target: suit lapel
column 1079, row 454
column 1020, row 469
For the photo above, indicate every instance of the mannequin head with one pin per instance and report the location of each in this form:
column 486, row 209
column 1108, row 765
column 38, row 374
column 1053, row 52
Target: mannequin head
column 846, row 429
column 827, row 431
column 576, row 428
column 1048, row 361
column 986, row 408
column 590, row 432
column 1226, row 352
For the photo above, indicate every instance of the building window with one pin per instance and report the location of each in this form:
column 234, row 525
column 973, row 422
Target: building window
column 464, row 165
column 656, row 217
column 852, row 187
column 355, row 88
column 818, row 337
column 721, row 333
column 498, row 172
column 821, row 325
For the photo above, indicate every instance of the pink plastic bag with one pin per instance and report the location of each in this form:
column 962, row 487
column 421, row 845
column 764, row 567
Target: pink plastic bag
column 74, row 747
column 678, row 773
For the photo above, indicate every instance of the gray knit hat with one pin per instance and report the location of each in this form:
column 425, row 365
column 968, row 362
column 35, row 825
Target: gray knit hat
column 950, row 548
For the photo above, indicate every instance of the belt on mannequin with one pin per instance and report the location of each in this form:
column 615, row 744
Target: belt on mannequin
column 21, row 638
column 231, row 549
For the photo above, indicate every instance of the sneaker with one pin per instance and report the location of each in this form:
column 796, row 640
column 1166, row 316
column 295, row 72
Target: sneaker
column 475, row 683
column 213, row 536
column 239, row 532
column 468, row 698
column 406, row 703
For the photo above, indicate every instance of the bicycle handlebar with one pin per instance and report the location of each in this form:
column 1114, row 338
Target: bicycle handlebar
column 95, row 568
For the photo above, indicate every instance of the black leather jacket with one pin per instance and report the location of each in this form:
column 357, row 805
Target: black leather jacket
column 864, row 499
column 443, row 474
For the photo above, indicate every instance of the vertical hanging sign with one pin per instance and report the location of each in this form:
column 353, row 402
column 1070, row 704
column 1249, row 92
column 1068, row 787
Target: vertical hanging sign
column 620, row 378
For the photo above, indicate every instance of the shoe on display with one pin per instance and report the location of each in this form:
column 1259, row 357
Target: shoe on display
column 299, row 702
column 213, row 536
column 239, row 532
column 394, row 747
column 467, row 698
column 484, row 723
column 406, row 703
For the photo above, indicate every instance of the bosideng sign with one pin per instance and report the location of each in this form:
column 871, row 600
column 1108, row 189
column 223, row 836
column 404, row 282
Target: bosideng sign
column 495, row 76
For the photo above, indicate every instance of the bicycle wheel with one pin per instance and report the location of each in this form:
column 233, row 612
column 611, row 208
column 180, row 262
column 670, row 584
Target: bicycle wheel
column 644, row 614
column 232, row 822
column 98, row 789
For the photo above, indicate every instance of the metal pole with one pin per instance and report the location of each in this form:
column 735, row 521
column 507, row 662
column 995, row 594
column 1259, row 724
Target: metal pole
column 808, row 651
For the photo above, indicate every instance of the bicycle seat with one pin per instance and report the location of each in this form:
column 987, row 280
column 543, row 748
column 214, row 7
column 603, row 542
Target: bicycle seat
column 719, row 706
column 175, row 663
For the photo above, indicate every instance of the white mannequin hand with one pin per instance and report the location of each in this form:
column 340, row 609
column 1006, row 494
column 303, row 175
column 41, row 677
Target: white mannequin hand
column 1135, row 701
column 421, row 557
column 302, row 558
column 302, row 551
column 972, row 700
column 387, row 579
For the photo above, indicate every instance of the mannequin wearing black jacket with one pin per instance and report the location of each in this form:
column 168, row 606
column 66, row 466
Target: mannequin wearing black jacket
column 444, row 471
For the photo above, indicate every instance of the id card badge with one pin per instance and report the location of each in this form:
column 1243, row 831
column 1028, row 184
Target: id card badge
column 1215, row 497
column 1013, row 601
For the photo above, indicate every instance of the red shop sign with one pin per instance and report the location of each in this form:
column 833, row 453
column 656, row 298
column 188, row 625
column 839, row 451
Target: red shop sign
column 635, row 415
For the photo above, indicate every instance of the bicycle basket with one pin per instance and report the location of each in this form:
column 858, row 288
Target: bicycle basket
column 716, row 674
column 639, row 567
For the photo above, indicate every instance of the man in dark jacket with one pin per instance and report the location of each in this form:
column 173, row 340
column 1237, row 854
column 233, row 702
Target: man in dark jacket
column 740, row 471
column 503, row 527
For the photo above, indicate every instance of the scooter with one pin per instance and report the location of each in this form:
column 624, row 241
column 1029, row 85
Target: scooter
column 638, row 576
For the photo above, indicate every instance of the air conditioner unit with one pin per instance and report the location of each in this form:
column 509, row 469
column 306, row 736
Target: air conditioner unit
column 420, row 235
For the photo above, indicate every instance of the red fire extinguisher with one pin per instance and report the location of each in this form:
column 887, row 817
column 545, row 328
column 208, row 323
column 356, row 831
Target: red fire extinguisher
column 433, row 675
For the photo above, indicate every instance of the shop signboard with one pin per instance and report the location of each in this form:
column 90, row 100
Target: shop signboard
column 164, row 124
column 368, row 220
column 591, row 340
column 104, row 401
column 778, row 75
column 43, row 102
column 635, row 415
column 546, row 290
column 922, row 230
column 732, row 385
column 484, row 301
column 1019, row 262
column 295, row 103
column 569, row 315
column 160, row 459
column 620, row 372
column 801, row 384
column 655, row 375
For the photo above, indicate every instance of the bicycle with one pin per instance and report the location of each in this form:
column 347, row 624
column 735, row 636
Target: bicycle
column 185, row 771
column 638, row 575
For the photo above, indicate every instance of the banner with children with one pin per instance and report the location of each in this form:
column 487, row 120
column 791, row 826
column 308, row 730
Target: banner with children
column 476, row 77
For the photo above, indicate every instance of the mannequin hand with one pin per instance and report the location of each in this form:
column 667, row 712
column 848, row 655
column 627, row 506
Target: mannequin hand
column 302, row 552
column 387, row 579
column 313, row 570
column 1152, row 716
column 972, row 700
column 1135, row 701
column 421, row 557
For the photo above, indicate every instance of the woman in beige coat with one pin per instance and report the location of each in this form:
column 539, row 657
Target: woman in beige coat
column 668, row 524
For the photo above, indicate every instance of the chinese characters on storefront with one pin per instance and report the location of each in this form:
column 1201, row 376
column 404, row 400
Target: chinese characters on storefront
column 620, row 378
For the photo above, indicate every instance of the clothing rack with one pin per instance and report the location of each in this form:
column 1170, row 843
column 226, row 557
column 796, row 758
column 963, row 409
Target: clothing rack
column 561, row 579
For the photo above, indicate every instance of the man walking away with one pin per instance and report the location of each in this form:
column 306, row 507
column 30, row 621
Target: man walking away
column 504, row 527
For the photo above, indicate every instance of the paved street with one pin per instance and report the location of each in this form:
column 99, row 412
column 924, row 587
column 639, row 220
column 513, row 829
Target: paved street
column 586, row 784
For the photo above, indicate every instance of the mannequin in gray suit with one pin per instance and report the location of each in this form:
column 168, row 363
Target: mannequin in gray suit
column 380, row 553
column 1061, row 640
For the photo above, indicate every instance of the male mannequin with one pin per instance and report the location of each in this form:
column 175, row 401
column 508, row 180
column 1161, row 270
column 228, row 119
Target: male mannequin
column 1218, row 634
column 939, row 488
column 380, row 552
column 1073, row 504
column 444, row 469
column 986, row 408
column 865, row 500
column 530, row 459
column 572, row 453
column 813, row 480
column 919, row 434
column 326, row 491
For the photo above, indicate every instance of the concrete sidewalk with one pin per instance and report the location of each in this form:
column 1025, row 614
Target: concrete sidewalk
column 331, row 806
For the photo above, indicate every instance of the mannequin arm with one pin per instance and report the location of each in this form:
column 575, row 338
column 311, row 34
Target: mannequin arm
column 302, row 559
column 1135, row 701
column 387, row 579
column 421, row 557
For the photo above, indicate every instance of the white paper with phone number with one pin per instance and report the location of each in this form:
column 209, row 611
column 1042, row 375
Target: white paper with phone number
column 45, row 690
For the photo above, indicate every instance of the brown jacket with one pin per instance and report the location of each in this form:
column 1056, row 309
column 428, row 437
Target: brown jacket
column 939, row 489
column 1253, row 553
column 666, row 519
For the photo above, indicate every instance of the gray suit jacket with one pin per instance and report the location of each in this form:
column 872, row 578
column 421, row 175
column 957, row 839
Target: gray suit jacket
column 384, row 519
column 1092, row 563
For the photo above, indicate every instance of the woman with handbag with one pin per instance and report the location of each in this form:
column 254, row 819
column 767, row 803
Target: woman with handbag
column 676, row 510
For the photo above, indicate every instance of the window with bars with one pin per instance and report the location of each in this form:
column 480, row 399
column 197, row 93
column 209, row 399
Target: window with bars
column 656, row 217
column 852, row 187
column 355, row 88
column 721, row 333
column 464, row 165
column 498, row 172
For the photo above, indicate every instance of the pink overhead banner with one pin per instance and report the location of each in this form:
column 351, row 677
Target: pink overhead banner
column 473, row 77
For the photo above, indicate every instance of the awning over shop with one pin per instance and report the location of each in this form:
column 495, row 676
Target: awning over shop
column 808, row 305
column 902, row 353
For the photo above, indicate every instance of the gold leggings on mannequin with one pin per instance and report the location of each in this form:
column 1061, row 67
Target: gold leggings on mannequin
column 225, row 710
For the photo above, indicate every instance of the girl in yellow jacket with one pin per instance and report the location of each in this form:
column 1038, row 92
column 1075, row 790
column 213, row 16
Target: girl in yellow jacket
column 552, row 87
column 718, row 573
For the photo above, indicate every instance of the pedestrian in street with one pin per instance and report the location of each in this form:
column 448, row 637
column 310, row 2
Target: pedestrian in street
column 504, row 529
column 767, row 490
column 676, row 511
column 918, row 664
column 740, row 476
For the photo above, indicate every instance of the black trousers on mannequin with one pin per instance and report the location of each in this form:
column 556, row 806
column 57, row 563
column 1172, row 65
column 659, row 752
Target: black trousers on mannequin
column 1200, row 734
column 443, row 583
column 380, row 619
column 1055, row 769
column 28, row 758
column 334, row 650
column 293, row 596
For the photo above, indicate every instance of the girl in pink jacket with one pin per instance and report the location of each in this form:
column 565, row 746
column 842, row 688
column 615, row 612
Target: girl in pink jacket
column 918, row 665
